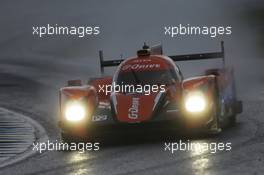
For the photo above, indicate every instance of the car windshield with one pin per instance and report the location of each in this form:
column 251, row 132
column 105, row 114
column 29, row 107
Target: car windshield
column 163, row 77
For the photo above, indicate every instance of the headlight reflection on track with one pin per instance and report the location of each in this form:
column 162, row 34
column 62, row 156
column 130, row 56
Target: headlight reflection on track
column 200, row 163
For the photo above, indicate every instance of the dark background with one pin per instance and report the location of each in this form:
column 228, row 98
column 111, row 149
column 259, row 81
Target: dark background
column 40, row 66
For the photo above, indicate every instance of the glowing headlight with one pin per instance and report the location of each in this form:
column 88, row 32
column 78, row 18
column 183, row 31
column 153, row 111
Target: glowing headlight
column 195, row 102
column 75, row 111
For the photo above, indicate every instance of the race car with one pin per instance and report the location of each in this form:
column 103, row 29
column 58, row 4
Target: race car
column 148, row 90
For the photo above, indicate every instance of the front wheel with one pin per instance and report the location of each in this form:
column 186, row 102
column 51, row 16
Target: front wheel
column 70, row 138
column 215, row 128
column 67, row 138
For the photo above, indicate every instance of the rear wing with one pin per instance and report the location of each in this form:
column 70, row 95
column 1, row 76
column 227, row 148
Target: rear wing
column 155, row 50
column 108, row 63
column 158, row 48
column 201, row 56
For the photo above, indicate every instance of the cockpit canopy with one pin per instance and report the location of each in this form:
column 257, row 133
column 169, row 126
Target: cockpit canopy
column 148, row 70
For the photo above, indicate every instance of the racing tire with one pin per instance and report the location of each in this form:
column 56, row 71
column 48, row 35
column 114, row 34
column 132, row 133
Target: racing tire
column 69, row 138
column 236, row 109
column 216, row 127
column 232, row 120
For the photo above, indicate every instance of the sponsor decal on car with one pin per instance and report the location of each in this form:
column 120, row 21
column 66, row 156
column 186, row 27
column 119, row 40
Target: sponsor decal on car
column 97, row 118
column 133, row 111
column 140, row 66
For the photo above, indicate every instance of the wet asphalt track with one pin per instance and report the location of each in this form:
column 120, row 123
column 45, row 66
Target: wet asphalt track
column 35, row 69
column 139, row 155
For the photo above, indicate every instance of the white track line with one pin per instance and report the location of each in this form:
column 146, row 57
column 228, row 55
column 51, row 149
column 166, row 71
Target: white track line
column 40, row 133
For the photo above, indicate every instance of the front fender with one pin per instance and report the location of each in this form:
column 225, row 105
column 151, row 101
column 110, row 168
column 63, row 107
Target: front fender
column 86, row 94
column 206, row 85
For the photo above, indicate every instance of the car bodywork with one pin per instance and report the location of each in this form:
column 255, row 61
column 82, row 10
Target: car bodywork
column 208, row 101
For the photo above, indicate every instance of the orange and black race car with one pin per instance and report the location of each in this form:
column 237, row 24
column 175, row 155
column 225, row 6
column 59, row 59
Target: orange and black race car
column 149, row 90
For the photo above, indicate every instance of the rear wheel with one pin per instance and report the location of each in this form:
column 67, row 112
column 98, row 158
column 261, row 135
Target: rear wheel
column 232, row 120
column 236, row 109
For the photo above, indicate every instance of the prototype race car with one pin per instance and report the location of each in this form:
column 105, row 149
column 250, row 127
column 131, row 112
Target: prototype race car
column 149, row 90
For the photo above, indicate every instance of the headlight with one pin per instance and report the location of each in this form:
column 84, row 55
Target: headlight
column 75, row 111
column 195, row 102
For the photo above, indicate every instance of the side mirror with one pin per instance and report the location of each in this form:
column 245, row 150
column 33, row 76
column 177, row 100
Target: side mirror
column 74, row 83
